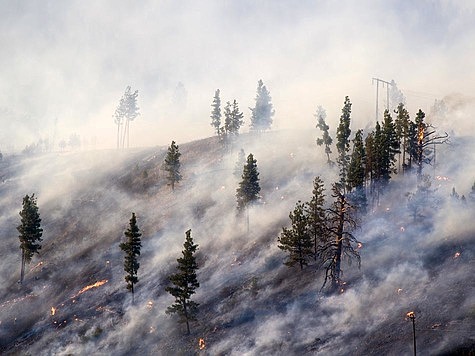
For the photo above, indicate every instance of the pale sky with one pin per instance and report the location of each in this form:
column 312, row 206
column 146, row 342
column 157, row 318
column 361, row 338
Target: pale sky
column 69, row 62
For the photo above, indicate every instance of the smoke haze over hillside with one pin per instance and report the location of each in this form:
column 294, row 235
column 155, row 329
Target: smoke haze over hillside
column 65, row 65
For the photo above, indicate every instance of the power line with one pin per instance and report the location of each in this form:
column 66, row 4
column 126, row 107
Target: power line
column 377, row 80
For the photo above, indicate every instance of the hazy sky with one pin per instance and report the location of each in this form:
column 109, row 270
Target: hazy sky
column 70, row 61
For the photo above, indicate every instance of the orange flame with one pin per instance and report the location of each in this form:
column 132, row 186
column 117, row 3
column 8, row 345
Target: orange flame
column 95, row 285
column 421, row 134
column 411, row 315
column 359, row 245
column 201, row 343
column 53, row 311
column 457, row 255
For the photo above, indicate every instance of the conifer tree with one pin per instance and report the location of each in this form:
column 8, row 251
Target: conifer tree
column 241, row 161
column 30, row 231
column 131, row 248
column 172, row 164
column 216, row 112
column 262, row 112
column 296, row 240
column 326, row 138
column 126, row 110
column 389, row 147
column 185, row 283
column 248, row 190
column 343, row 141
column 316, row 216
column 356, row 172
column 341, row 223
column 233, row 118
column 356, row 169
column 425, row 142
column 402, row 131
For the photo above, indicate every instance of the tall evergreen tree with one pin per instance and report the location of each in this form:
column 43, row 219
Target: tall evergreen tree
column 343, row 141
column 172, row 164
column 316, row 216
column 341, row 223
column 402, row 122
column 216, row 112
column 241, row 161
column 262, row 112
column 30, row 231
column 356, row 169
column 389, row 147
column 233, row 118
column 297, row 240
column 131, row 248
column 427, row 139
column 185, row 283
column 126, row 111
column 326, row 138
column 356, row 172
column 248, row 190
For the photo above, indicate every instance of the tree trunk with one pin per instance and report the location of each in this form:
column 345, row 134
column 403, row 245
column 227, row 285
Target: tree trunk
column 185, row 311
column 22, row 271
column 339, row 248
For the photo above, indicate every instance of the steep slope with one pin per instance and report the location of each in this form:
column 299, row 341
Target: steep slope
column 250, row 303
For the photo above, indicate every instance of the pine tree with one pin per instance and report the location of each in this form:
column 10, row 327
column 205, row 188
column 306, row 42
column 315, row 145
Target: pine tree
column 356, row 169
column 343, row 141
column 261, row 114
column 356, row 172
column 237, row 119
column 30, row 231
column 326, row 138
column 241, row 161
column 172, row 164
column 233, row 118
column 425, row 142
column 248, row 190
column 341, row 223
column 185, row 283
column 131, row 249
column 402, row 131
column 296, row 240
column 216, row 112
column 389, row 147
column 128, row 110
column 316, row 216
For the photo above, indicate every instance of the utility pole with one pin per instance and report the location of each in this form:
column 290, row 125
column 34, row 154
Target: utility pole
column 377, row 80
column 412, row 316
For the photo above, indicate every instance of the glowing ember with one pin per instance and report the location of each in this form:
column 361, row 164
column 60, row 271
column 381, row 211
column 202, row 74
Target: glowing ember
column 411, row 315
column 53, row 311
column 150, row 304
column 399, row 290
column 342, row 290
column 457, row 255
column 201, row 343
column 442, row 178
column 402, row 229
column 38, row 265
column 421, row 134
column 359, row 245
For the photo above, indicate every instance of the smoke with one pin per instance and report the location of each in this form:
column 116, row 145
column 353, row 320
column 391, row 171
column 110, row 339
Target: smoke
column 65, row 66
column 72, row 62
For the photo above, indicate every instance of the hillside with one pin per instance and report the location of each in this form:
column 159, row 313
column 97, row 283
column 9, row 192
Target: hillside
column 250, row 303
